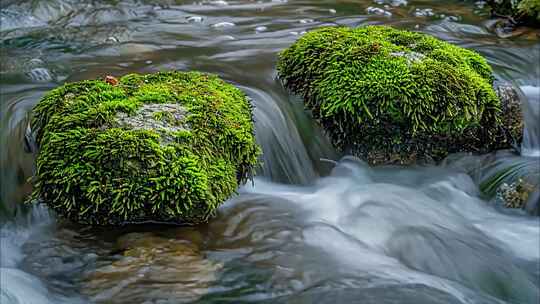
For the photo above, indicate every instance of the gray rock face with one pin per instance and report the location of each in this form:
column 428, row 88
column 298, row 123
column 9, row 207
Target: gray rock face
column 412, row 57
column 164, row 118
column 512, row 113
column 507, row 93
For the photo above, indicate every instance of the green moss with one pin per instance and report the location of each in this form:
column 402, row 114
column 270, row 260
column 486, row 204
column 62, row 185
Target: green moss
column 164, row 116
column 377, row 87
column 91, row 169
column 522, row 11
column 530, row 9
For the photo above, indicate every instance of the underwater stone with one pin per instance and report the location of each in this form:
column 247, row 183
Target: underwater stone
column 175, row 268
column 393, row 96
column 164, row 147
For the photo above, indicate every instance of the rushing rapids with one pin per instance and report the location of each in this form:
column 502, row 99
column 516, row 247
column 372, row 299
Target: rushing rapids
column 314, row 226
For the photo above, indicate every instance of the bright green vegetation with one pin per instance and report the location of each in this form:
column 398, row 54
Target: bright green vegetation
column 387, row 93
column 530, row 8
column 525, row 11
column 107, row 156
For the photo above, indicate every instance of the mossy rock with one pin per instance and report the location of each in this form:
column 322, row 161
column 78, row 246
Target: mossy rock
column 165, row 147
column 394, row 96
column 520, row 11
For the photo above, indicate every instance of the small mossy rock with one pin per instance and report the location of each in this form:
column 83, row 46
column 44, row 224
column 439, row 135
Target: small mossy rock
column 394, row 96
column 165, row 147
column 516, row 194
column 521, row 11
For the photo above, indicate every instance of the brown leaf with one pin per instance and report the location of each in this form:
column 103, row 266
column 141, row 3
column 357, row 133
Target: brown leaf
column 111, row 80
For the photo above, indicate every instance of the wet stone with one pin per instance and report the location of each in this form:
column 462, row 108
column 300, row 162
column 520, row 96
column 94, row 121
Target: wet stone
column 165, row 118
column 153, row 268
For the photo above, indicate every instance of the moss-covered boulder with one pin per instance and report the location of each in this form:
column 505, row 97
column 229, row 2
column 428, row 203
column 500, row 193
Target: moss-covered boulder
column 166, row 147
column 517, row 11
column 394, row 96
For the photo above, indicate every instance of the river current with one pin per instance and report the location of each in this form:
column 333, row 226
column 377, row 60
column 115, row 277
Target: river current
column 314, row 226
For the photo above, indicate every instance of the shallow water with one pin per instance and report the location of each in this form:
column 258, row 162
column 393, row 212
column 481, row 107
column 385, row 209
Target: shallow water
column 312, row 227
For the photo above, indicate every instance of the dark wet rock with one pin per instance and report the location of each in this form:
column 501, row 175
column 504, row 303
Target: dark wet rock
column 512, row 116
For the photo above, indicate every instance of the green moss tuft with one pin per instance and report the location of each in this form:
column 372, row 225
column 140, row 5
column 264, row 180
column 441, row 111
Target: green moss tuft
column 530, row 9
column 379, row 88
column 98, row 164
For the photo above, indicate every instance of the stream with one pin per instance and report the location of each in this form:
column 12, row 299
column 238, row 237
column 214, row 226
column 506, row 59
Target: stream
column 314, row 226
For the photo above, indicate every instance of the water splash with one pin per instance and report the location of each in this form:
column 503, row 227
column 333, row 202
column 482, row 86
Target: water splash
column 531, row 113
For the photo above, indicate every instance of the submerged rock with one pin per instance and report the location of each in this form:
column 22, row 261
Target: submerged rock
column 393, row 96
column 153, row 268
column 165, row 147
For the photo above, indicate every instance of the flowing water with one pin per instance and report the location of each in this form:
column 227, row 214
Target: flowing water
column 314, row 226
